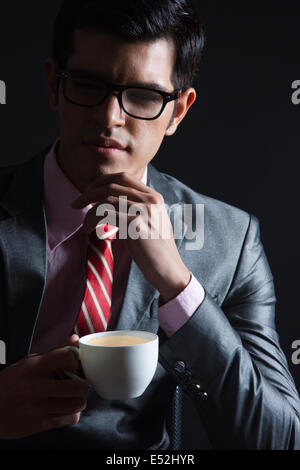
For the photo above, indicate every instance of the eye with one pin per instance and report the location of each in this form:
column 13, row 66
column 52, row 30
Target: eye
column 145, row 96
column 86, row 85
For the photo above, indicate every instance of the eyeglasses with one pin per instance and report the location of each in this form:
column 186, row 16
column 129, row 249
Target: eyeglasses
column 138, row 102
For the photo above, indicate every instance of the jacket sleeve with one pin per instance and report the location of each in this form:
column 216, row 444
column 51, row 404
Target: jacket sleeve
column 229, row 361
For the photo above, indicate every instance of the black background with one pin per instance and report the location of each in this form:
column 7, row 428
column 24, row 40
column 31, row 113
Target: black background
column 239, row 143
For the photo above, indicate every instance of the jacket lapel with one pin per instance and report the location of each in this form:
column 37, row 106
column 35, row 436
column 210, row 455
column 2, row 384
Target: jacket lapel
column 139, row 311
column 23, row 244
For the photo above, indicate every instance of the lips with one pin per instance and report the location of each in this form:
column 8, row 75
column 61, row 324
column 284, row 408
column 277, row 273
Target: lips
column 106, row 143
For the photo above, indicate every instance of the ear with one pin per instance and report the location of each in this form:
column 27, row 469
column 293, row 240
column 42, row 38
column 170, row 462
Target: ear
column 50, row 70
column 185, row 101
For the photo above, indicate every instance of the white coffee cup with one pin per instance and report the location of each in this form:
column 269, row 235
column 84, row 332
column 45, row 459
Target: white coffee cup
column 119, row 372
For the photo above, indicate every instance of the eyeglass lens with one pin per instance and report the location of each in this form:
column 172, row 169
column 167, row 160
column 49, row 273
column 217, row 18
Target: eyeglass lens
column 137, row 102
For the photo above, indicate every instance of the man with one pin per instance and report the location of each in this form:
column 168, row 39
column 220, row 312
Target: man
column 121, row 80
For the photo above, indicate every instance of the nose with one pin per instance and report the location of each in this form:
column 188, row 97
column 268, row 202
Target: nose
column 109, row 113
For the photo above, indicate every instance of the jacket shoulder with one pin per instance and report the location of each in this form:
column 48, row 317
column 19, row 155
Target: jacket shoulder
column 217, row 213
column 6, row 176
column 12, row 172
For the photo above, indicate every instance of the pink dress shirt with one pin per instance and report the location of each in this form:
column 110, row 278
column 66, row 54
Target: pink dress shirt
column 65, row 278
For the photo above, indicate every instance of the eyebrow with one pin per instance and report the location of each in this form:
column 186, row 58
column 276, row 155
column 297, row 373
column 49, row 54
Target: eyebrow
column 94, row 76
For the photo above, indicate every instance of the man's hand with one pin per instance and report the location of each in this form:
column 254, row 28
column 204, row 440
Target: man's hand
column 33, row 398
column 155, row 251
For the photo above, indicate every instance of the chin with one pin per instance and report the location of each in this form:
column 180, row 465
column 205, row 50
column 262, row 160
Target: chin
column 108, row 169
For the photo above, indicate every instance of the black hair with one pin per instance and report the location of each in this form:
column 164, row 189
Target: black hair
column 135, row 20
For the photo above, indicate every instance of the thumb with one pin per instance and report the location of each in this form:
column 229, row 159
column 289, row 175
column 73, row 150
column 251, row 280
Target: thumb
column 72, row 341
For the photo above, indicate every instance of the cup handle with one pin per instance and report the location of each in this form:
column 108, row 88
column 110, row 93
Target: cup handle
column 70, row 374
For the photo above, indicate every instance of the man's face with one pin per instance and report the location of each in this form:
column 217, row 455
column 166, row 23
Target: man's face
column 122, row 63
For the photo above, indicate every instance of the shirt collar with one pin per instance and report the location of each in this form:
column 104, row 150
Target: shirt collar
column 59, row 193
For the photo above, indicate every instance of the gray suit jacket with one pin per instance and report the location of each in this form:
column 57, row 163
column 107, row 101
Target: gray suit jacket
column 233, row 367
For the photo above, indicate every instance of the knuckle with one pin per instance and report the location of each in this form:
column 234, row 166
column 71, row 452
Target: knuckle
column 111, row 199
column 138, row 196
column 52, row 422
column 68, row 360
column 75, row 405
column 65, row 354
column 80, row 390
column 70, row 355
column 31, row 362
column 156, row 198
column 160, row 198
column 152, row 199
column 73, row 419
column 111, row 187
column 79, row 404
column 83, row 405
column 60, row 421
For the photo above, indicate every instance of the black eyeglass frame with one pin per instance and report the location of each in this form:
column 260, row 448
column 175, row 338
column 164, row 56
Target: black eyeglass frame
column 118, row 89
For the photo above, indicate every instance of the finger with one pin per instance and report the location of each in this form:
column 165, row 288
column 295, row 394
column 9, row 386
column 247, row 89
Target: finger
column 65, row 406
column 55, row 360
column 41, row 423
column 72, row 341
column 64, row 388
column 122, row 178
column 59, row 421
column 102, row 193
column 90, row 196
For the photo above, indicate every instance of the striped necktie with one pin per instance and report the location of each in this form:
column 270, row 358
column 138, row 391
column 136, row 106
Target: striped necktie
column 95, row 308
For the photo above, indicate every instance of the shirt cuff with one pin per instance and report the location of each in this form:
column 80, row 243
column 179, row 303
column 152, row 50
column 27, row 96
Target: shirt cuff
column 175, row 313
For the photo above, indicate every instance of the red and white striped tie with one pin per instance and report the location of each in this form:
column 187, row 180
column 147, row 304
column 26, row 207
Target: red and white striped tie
column 95, row 309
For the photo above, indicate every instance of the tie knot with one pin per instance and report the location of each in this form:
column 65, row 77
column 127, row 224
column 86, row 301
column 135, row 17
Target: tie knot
column 103, row 232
